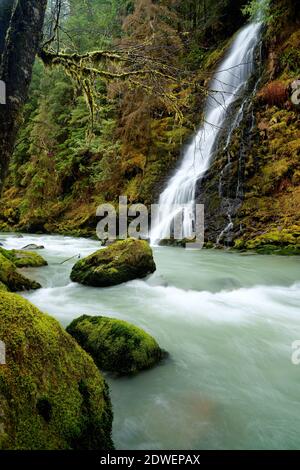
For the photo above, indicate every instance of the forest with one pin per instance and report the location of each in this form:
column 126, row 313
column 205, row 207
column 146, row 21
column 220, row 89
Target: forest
column 135, row 340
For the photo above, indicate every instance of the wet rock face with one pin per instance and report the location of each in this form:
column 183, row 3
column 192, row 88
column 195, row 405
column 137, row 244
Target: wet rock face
column 115, row 345
column 262, row 162
column 120, row 262
column 222, row 188
column 256, row 181
column 52, row 396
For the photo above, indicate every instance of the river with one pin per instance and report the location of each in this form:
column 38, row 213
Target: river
column 228, row 321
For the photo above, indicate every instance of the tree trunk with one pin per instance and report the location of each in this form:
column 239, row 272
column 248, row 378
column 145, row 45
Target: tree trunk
column 20, row 48
column 5, row 16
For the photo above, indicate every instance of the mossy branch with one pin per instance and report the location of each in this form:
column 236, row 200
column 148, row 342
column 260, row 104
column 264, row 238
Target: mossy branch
column 138, row 70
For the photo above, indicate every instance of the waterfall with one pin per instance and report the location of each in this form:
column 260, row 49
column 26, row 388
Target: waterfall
column 227, row 85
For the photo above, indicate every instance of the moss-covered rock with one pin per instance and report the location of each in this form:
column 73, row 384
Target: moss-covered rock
column 120, row 262
column 288, row 250
column 12, row 279
column 3, row 287
column 24, row 259
column 278, row 241
column 277, row 237
column 115, row 345
column 52, row 395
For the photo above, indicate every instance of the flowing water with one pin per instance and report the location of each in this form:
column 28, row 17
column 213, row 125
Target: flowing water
column 228, row 83
column 228, row 321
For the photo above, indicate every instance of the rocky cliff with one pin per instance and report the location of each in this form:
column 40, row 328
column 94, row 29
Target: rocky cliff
column 251, row 191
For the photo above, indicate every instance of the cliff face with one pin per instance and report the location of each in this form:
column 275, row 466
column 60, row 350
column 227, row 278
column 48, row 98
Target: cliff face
column 251, row 192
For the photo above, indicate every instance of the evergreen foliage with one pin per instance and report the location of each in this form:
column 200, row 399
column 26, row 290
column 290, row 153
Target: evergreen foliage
column 63, row 167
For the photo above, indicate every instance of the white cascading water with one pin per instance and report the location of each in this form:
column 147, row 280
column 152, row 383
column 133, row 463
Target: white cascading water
column 226, row 87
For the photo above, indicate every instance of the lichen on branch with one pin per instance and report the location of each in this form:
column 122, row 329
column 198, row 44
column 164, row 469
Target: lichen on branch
column 137, row 69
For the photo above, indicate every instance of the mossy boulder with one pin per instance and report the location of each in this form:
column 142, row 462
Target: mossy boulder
column 120, row 262
column 12, row 279
column 27, row 259
column 3, row 287
column 24, row 259
column 115, row 345
column 52, row 396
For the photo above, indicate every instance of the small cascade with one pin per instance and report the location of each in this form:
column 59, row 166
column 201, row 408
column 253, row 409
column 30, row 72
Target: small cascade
column 227, row 86
column 226, row 230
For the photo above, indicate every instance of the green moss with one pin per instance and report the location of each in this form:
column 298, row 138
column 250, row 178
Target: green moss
column 284, row 242
column 276, row 238
column 3, row 287
column 12, row 279
column 24, row 259
column 52, row 395
column 116, row 345
column 239, row 244
column 8, row 254
column 120, row 262
column 288, row 250
column 208, row 245
column 289, row 55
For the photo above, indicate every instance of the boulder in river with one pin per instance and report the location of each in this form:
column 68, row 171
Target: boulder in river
column 33, row 246
column 120, row 262
column 24, row 259
column 12, row 279
column 52, row 395
column 27, row 259
column 115, row 345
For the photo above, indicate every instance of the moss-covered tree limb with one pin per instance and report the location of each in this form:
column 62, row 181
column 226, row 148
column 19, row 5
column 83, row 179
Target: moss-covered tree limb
column 78, row 61
column 129, row 65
